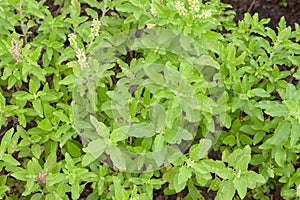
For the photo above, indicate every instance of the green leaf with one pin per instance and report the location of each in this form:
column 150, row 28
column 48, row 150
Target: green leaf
column 33, row 166
column 38, row 72
column 45, row 124
column 273, row 108
column 230, row 140
column 92, row 13
column 158, row 142
column 11, row 82
column 240, row 184
column 62, row 117
column 200, row 150
column 22, row 95
column 126, row 8
column 70, row 164
column 297, row 75
column 120, row 192
column 21, row 174
column 87, row 159
column 226, row 173
column 281, row 134
column 53, row 179
column 37, row 106
column 158, row 116
column 253, row 110
column 75, row 190
column 226, row 121
column 7, row 72
column 3, row 180
column 245, row 139
column 37, row 196
column 50, row 161
column 73, row 149
column 206, row 60
column 258, row 137
column 155, row 74
column 47, row 96
column 258, row 92
column 5, row 141
column 215, row 184
column 177, row 134
column 240, row 158
column 70, row 79
column 254, row 178
column 119, row 134
column 184, row 174
column 280, row 156
column 213, row 165
column 34, row 85
column 102, row 129
column 176, row 185
column 194, row 193
column 295, row 60
column 10, row 160
column 56, row 45
column 199, row 169
column 142, row 130
column 118, row 158
column 3, row 189
column 96, row 148
column 295, row 132
column 36, row 150
column 226, row 191
column 76, row 5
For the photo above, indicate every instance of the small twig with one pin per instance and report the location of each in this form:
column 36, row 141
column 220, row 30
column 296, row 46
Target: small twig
column 59, row 8
column 104, row 9
column 251, row 6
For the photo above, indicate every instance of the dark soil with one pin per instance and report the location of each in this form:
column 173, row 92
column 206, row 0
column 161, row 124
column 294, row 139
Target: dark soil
column 272, row 9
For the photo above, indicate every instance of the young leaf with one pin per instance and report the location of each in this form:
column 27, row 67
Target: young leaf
column 5, row 141
column 37, row 106
column 76, row 5
column 280, row 156
column 226, row 191
column 75, row 190
column 295, row 132
column 240, row 158
column 184, row 174
column 240, row 184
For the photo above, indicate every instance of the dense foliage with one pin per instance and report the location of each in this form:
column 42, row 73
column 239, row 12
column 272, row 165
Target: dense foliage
column 120, row 99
